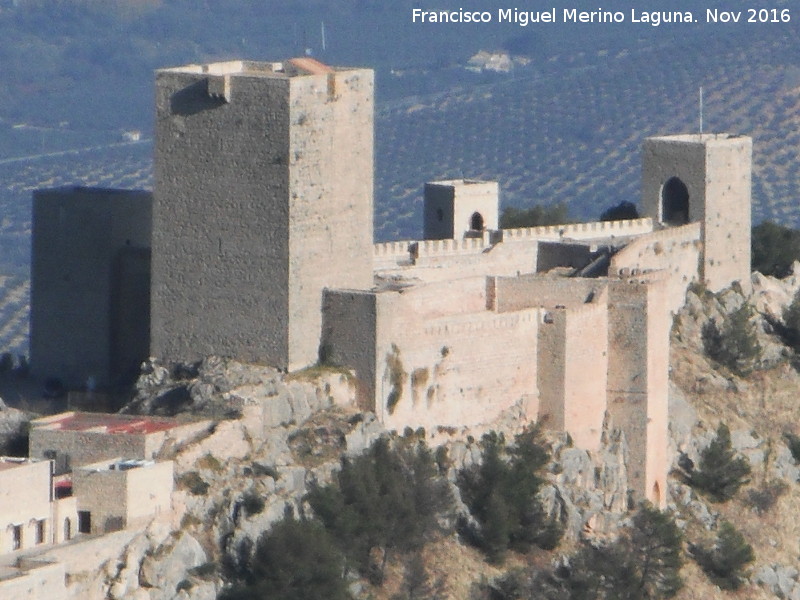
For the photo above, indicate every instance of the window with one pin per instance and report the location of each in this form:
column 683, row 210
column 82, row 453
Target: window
column 40, row 528
column 476, row 222
column 17, row 537
column 84, row 521
column 67, row 529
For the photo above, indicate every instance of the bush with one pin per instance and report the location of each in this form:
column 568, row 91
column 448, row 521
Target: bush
column 726, row 561
column 793, row 443
column 720, row 472
column 294, row 560
column 642, row 564
column 774, row 248
column 735, row 345
column 194, row 483
column 252, row 503
column 623, row 211
column 536, row 216
column 501, row 494
column 388, row 499
column 764, row 498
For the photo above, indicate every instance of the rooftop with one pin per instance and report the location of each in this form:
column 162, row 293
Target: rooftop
column 12, row 462
column 105, row 423
column 290, row 68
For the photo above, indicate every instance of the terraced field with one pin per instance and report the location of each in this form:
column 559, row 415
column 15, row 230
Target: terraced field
column 567, row 130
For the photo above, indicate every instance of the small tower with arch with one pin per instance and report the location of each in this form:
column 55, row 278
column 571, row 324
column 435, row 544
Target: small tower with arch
column 704, row 178
column 460, row 208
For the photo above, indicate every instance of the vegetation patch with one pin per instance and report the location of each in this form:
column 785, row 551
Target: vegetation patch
column 502, row 495
column 192, row 482
column 397, row 377
column 720, row 472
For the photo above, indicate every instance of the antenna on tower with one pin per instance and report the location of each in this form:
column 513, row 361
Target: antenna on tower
column 701, row 110
column 322, row 28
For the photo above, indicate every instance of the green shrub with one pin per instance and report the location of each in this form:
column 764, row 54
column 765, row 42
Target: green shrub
column 720, row 473
column 774, row 248
column 536, row 216
column 725, row 562
column 502, row 496
column 735, row 345
column 620, row 212
column 793, row 442
column 252, row 503
column 194, row 483
column 295, row 559
column 389, row 499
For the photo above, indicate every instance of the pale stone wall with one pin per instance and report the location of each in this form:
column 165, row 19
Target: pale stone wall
column 432, row 261
column 448, row 207
column 527, row 291
column 117, row 499
column 24, row 501
column 585, row 376
column 331, row 212
column 675, row 250
column 573, row 347
column 638, row 367
column 440, row 365
column 33, row 580
column 85, row 306
column 716, row 170
column 263, row 197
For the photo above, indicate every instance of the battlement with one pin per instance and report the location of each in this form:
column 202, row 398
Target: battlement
column 430, row 248
column 392, row 249
column 579, row 231
column 249, row 68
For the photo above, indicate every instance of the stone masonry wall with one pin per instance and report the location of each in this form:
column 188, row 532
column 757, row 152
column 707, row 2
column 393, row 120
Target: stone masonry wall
column 262, row 198
column 78, row 238
column 452, row 370
column 331, row 188
column 674, row 250
column 637, row 379
column 527, row 291
column 220, row 236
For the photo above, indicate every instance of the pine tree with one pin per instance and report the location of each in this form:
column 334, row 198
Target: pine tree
column 720, row 472
column 726, row 561
column 735, row 345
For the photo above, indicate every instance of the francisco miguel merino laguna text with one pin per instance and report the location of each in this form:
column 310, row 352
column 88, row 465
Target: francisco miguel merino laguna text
column 568, row 15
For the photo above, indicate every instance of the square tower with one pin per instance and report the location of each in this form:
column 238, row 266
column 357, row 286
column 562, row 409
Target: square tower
column 90, row 285
column 263, row 197
column 457, row 208
column 704, row 178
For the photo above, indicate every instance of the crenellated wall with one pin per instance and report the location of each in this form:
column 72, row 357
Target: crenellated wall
column 580, row 231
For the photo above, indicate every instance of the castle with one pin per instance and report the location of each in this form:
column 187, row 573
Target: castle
column 257, row 243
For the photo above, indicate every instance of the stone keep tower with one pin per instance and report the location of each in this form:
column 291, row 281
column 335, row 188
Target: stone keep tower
column 455, row 208
column 263, row 197
column 705, row 178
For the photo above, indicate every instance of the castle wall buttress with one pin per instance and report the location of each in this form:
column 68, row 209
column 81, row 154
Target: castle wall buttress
column 638, row 368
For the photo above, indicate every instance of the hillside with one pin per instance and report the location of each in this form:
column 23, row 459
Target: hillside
column 276, row 437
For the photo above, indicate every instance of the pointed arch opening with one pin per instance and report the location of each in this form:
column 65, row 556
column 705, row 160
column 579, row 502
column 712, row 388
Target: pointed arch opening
column 476, row 222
